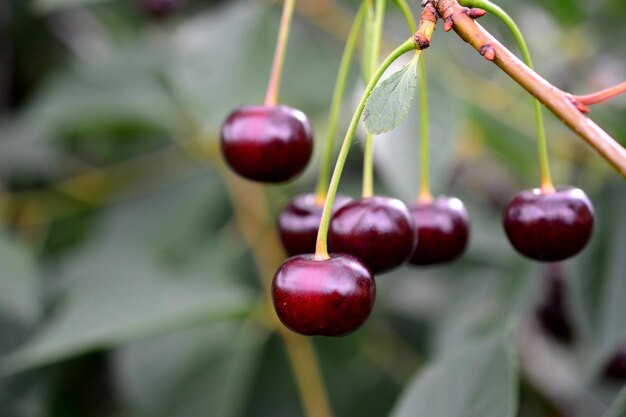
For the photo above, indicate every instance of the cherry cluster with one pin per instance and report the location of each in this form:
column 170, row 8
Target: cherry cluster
column 334, row 295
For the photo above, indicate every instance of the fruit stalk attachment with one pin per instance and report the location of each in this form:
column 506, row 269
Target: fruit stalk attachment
column 271, row 97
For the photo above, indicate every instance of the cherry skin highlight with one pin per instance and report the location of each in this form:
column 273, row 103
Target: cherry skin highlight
column 267, row 143
column 549, row 227
column 442, row 228
column 299, row 221
column 378, row 230
column 331, row 297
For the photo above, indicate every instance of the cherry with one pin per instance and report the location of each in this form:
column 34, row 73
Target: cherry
column 552, row 312
column 442, row 228
column 332, row 297
column 549, row 227
column 299, row 221
column 378, row 230
column 616, row 367
column 267, row 143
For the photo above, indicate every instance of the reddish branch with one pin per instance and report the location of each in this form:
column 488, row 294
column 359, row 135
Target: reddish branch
column 600, row 96
column 426, row 27
column 562, row 104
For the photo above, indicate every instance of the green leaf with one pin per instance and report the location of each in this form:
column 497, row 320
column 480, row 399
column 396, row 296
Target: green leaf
column 390, row 101
column 618, row 408
column 366, row 48
column 478, row 381
column 19, row 298
column 613, row 309
column 46, row 6
column 599, row 281
column 183, row 374
column 396, row 153
column 130, row 300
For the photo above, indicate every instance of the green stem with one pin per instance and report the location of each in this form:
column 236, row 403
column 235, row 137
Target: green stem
column 321, row 249
column 335, row 106
column 425, row 195
column 368, row 157
column 544, row 164
column 271, row 97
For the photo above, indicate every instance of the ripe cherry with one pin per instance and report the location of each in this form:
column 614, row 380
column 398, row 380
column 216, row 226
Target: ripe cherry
column 332, row 297
column 378, row 230
column 615, row 369
column 549, row 227
column 552, row 312
column 299, row 221
column 267, row 143
column 442, row 228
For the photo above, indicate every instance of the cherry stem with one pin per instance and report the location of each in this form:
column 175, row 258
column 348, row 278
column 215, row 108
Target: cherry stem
column 602, row 95
column 335, row 106
column 321, row 249
column 271, row 97
column 425, row 195
column 374, row 55
column 544, row 165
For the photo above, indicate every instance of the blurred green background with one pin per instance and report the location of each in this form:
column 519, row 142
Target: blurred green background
column 132, row 262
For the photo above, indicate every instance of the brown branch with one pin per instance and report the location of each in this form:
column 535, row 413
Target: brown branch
column 562, row 104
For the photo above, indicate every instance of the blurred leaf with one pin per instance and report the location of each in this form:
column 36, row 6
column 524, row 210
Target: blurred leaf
column 618, row 408
column 485, row 300
column 119, row 85
column 515, row 152
column 188, row 372
column 567, row 11
column 216, row 74
column 24, row 149
column 478, row 381
column 612, row 330
column 46, row 6
column 397, row 153
column 130, row 301
column 19, row 298
column 390, row 101
column 366, row 48
column 600, row 280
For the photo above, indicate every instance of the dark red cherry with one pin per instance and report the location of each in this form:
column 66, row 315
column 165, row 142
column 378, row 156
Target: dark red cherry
column 552, row 312
column 442, row 228
column 299, row 221
column 267, row 143
column 332, row 297
column 615, row 369
column 549, row 227
column 377, row 230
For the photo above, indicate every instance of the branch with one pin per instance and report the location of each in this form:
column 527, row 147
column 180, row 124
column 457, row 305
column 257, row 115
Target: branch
column 600, row 96
column 562, row 104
